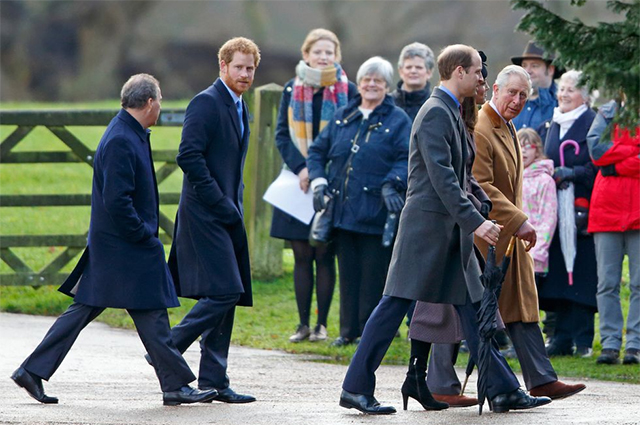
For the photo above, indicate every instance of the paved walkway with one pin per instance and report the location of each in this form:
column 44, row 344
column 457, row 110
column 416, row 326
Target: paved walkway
column 105, row 380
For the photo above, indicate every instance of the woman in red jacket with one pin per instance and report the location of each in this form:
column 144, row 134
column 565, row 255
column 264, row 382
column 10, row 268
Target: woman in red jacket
column 615, row 221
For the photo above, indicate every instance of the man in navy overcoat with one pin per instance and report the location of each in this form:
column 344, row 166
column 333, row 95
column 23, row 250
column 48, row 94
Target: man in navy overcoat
column 209, row 257
column 123, row 265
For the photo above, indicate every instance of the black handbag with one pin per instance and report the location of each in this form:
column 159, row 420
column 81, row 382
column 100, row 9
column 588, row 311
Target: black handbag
column 322, row 224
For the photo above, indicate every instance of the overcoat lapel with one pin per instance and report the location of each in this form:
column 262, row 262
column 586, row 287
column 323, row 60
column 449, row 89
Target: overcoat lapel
column 500, row 128
column 231, row 108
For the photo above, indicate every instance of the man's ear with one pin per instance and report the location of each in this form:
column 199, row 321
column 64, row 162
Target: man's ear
column 551, row 69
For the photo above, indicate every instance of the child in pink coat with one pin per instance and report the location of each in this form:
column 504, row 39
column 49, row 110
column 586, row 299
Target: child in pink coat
column 539, row 199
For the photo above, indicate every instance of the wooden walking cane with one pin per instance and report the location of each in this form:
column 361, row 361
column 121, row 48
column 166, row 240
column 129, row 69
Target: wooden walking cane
column 506, row 260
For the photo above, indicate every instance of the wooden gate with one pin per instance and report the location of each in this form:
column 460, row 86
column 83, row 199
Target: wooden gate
column 262, row 166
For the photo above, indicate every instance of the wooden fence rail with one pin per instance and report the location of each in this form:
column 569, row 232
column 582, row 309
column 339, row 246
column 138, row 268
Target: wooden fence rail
column 261, row 168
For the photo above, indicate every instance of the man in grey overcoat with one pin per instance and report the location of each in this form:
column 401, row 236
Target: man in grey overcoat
column 123, row 265
column 433, row 257
column 209, row 257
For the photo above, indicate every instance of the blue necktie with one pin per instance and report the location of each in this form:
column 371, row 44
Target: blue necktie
column 239, row 109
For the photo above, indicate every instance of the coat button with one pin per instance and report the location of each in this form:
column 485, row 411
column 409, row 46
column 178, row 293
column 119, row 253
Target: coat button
column 289, row 89
column 387, row 130
column 338, row 122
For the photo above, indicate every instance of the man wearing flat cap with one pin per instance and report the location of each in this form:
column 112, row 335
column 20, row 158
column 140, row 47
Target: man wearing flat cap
column 539, row 106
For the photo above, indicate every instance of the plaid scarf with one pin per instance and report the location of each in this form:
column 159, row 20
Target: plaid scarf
column 300, row 112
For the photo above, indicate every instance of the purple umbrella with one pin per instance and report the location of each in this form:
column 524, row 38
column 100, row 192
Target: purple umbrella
column 567, row 218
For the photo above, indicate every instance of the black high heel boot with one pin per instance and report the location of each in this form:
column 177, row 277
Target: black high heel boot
column 415, row 386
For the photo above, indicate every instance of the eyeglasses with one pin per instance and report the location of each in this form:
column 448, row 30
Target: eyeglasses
column 528, row 146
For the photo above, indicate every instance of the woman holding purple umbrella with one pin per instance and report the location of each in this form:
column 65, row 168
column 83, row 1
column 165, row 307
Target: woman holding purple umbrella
column 574, row 304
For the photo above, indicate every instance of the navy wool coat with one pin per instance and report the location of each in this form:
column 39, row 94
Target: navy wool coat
column 209, row 256
column 432, row 255
column 124, row 264
column 555, row 289
column 382, row 158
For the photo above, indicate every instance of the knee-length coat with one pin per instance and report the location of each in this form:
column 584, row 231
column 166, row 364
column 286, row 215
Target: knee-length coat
column 555, row 289
column 431, row 258
column 124, row 263
column 498, row 168
column 210, row 257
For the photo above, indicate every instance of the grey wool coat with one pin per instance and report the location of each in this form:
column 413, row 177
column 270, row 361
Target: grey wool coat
column 432, row 256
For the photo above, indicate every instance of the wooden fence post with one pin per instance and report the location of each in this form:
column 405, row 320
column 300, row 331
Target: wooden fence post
column 262, row 166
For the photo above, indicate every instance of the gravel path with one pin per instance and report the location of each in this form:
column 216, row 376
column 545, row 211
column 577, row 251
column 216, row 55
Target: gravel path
column 105, row 380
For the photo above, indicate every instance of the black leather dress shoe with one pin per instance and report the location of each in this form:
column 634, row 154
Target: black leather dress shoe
column 33, row 385
column 364, row 403
column 187, row 395
column 517, row 400
column 229, row 396
column 342, row 341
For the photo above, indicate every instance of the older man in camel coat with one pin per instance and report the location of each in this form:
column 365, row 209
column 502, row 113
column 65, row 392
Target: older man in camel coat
column 498, row 168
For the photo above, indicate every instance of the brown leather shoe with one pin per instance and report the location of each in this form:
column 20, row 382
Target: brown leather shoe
column 557, row 390
column 456, row 400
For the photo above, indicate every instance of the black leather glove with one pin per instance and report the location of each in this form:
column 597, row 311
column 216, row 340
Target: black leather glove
column 319, row 197
column 562, row 177
column 485, row 209
column 392, row 199
column 609, row 170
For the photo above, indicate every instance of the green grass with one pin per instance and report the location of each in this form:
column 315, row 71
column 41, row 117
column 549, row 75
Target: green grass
column 267, row 325
column 273, row 319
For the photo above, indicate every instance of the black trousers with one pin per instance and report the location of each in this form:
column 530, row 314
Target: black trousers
column 363, row 264
column 574, row 325
column 152, row 326
column 212, row 320
column 381, row 329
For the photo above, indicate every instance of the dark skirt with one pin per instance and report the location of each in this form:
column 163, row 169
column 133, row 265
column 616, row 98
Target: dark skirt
column 554, row 291
column 284, row 226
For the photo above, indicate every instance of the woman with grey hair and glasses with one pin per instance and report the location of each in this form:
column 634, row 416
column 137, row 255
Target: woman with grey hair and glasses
column 360, row 161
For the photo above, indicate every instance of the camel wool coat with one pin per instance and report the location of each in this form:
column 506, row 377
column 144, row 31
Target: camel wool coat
column 498, row 169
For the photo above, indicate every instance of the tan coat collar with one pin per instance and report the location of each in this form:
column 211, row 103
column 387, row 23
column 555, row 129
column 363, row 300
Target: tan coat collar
column 501, row 129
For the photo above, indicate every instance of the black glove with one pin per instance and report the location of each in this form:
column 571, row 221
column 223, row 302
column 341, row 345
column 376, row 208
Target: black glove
column 319, row 200
column 485, row 209
column 226, row 211
column 609, row 170
column 392, row 199
column 562, row 177
column 582, row 220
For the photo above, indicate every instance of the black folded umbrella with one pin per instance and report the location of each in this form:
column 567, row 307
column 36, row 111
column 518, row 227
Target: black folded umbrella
column 492, row 278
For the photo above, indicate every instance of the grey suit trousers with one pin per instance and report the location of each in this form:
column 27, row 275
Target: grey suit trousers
column 529, row 345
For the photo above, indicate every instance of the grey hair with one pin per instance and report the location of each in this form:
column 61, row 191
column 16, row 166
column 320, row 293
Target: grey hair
column 420, row 50
column 376, row 65
column 138, row 90
column 574, row 76
column 510, row 70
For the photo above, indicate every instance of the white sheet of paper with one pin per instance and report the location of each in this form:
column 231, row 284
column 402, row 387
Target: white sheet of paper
column 285, row 194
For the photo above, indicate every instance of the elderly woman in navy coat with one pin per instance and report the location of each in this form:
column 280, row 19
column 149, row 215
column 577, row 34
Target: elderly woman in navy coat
column 575, row 305
column 308, row 103
column 365, row 147
column 124, row 264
